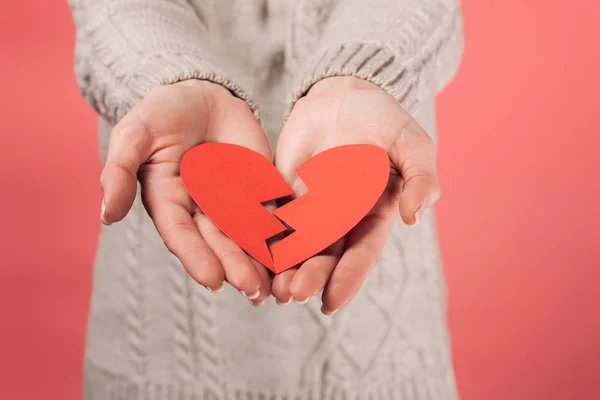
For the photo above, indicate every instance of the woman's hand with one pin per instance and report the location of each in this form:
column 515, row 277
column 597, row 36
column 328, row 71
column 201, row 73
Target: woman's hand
column 345, row 110
column 148, row 144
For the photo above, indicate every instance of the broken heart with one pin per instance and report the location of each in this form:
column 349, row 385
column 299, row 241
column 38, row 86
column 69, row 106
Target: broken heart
column 230, row 183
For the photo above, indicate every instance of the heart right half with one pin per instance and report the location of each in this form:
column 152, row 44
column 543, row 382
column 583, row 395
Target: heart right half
column 229, row 183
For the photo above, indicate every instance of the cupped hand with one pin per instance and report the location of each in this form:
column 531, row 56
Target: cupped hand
column 148, row 144
column 345, row 110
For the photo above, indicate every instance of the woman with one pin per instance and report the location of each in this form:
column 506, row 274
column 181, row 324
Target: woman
column 168, row 75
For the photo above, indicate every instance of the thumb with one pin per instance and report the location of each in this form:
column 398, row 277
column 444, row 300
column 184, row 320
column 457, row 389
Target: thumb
column 414, row 156
column 129, row 146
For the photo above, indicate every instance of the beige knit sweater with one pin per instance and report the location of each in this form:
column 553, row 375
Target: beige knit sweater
column 154, row 333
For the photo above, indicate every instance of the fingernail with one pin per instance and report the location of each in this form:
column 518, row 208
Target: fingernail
column 281, row 303
column 259, row 304
column 217, row 290
column 102, row 212
column 419, row 215
column 300, row 301
column 327, row 312
column 251, row 296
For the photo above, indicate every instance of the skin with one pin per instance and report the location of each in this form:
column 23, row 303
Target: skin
column 345, row 110
column 148, row 143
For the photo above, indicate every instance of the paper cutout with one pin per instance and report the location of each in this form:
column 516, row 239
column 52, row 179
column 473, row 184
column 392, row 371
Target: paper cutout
column 344, row 184
column 229, row 183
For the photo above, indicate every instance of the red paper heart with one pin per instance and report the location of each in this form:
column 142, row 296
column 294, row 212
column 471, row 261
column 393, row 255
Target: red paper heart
column 229, row 183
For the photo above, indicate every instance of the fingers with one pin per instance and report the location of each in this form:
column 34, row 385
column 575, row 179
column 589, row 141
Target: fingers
column 128, row 147
column 181, row 236
column 281, row 286
column 419, row 192
column 363, row 248
column 414, row 154
column 237, row 266
column 312, row 276
column 300, row 284
column 265, row 286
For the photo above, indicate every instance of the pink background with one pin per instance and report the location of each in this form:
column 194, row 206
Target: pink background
column 519, row 217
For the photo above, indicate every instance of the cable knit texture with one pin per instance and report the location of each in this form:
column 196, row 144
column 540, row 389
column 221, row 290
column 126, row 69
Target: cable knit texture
column 155, row 334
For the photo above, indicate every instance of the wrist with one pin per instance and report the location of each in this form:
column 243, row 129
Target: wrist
column 207, row 87
column 341, row 84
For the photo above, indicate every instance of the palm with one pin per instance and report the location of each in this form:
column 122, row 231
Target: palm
column 328, row 119
column 162, row 128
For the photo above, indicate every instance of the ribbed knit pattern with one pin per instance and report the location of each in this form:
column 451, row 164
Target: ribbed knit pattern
column 400, row 48
column 126, row 47
column 156, row 334
column 110, row 387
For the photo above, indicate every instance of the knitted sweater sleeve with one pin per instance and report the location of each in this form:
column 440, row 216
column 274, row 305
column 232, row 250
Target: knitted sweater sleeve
column 410, row 48
column 124, row 48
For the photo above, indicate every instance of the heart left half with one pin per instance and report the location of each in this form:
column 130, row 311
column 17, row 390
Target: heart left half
column 230, row 183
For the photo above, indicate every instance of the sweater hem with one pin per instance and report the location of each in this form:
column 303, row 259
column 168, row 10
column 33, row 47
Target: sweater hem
column 100, row 384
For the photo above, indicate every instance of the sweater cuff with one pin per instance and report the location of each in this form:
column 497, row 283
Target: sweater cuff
column 157, row 70
column 409, row 77
column 372, row 62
